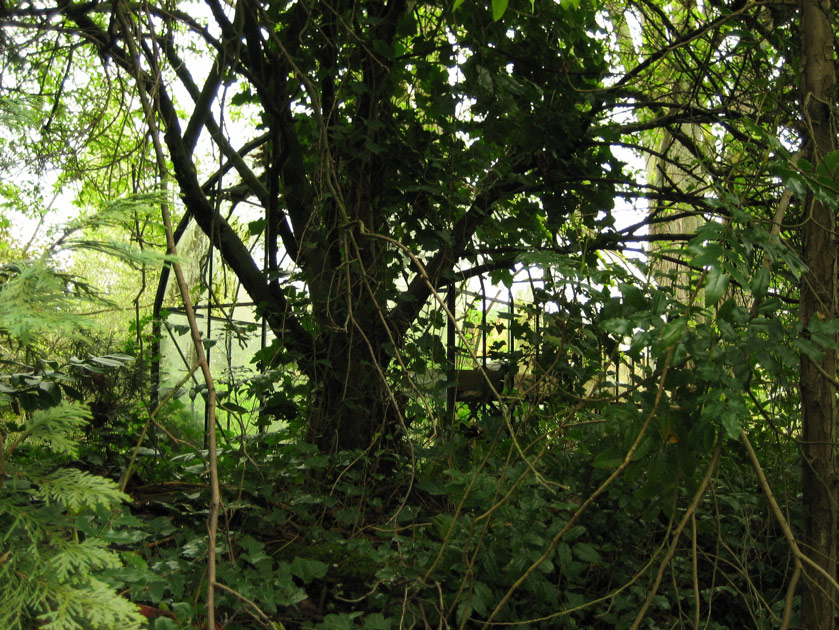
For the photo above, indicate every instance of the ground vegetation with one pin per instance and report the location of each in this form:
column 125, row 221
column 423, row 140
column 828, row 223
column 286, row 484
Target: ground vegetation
column 642, row 437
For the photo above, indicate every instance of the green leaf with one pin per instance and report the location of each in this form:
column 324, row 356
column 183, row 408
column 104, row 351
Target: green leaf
column 502, row 276
column 482, row 598
column 308, row 570
column 611, row 458
column 829, row 164
column 106, row 361
column 672, row 331
column 790, row 174
column 633, row 296
column 498, row 9
column 804, row 165
column 457, row 4
column 58, row 425
column 563, row 553
column 770, row 306
column 797, row 184
column 234, row 408
column 706, row 254
column 75, row 490
column 760, row 283
column 716, row 283
column 808, row 348
column 825, row 327
column 339, row 621
column 726, row 329
column 768, row 363
column 618, row 326
column 255, row 228
column 442, row 523
column 586, row 552
column 825, row 341
column 377, row 621
column 731, row 424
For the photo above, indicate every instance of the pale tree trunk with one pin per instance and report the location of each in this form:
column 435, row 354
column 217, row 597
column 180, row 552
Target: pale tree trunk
column 677, row 162
column 818, row 300
column 681, row 170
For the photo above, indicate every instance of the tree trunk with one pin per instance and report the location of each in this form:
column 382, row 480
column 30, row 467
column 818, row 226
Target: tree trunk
column 350, row 406
column 818, row 300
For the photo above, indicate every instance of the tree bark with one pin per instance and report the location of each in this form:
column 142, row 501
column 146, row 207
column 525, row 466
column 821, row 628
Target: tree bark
column 818, row 301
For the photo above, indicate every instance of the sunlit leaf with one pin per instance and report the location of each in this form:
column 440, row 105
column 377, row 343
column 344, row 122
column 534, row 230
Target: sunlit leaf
column 498, row 9
column 716, row 284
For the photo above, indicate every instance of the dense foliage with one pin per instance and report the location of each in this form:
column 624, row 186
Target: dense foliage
column 326, row 196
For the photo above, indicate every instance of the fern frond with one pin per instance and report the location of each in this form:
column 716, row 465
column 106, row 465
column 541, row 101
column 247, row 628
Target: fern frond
column 56, row 427
column 122, row 251
column 76, row 489
column 35, row 299
column 88, row 604
column 47, row 570
column 116, row 214
column 82, row 557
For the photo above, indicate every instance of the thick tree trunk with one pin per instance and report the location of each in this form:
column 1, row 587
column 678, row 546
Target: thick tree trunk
column 350, row 406
column 818, row 300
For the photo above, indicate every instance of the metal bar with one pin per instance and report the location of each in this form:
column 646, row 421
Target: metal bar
column 451, row 338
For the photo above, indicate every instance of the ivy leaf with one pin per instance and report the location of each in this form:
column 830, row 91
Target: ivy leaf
column 376, row 621
column 255, row 228
column 308, row 570
column 502, row 276
column 716, row 282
